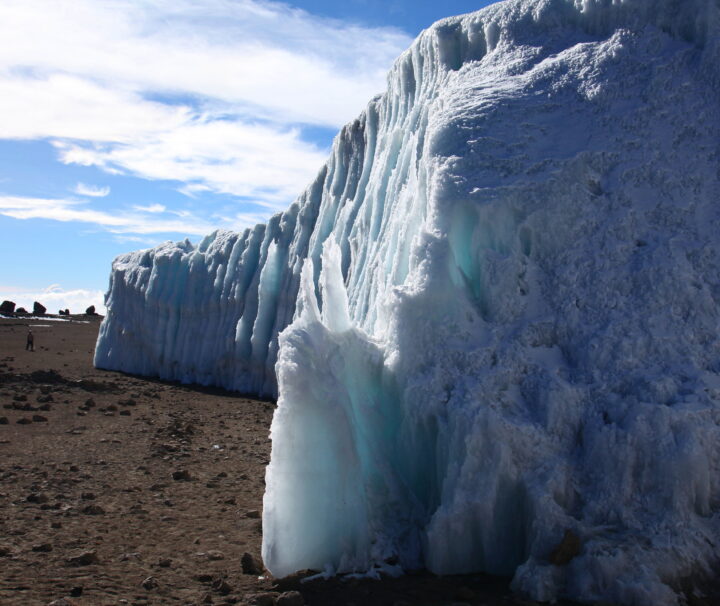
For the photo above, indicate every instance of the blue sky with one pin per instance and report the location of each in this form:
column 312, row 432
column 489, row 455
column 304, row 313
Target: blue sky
column 126, row 123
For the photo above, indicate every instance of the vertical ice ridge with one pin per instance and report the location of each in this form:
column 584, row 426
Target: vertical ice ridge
column 541, row 349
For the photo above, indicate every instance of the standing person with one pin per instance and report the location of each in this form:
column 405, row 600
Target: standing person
column 30, row 345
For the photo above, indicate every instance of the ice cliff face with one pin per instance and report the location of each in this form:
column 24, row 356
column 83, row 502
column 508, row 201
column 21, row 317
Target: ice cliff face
column 499, row 310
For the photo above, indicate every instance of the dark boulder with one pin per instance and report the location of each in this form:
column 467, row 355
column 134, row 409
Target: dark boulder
column 251, row 564
column 85, row 558
column 39, row 309
column 90, row 311
column 7, row 307
column 566, row 550
column 21, row 310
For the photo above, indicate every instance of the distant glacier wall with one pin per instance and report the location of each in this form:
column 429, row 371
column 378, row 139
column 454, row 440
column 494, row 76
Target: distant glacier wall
column 494, row 317
column 212, row 313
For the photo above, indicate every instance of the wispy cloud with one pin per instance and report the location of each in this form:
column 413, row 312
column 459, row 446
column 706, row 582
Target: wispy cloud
column 152, row 208
column 264, row 162
column 137, row 220
column 254, row 53
column 117, row 222
column 208, row 94
column 92, row 191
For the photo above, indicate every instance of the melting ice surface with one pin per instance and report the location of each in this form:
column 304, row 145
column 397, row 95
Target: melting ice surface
column 492, row 318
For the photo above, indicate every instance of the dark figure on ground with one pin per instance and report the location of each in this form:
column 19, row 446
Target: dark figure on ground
column 30, row 345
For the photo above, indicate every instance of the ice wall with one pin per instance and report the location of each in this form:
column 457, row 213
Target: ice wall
column 503, row 290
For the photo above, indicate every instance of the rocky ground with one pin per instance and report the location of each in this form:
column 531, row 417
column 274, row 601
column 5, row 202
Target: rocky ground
column 117, row 489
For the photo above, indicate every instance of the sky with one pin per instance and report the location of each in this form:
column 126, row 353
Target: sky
column 126, row 123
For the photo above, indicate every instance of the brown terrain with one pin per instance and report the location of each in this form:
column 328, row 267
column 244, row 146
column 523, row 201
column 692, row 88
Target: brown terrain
column 117, row 489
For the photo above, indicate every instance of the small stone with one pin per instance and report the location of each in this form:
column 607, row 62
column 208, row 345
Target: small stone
column 222, row 587
column 89, row 403
column 45, row 398
column 290, row 598
column 124, row 413
column 24, row 421
column 4, row 421
column 214, row 555
column 87, row 496
column 268, row 598
column 85, row 558
column 42, row 548
column 164, row 562
column 133, row 555
column 76, row 592
column 206, row 599
column 181, row 475
column 56, row 525
column 5, row 551
column 150, row 583
column 93, row 510
column 253, row 513
column 38, row 498
column 39, row 419
column 250, row 564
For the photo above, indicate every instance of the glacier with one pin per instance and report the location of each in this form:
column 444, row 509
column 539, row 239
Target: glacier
column 492, row 318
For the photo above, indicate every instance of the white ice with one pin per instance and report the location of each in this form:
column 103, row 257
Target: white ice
column 497, row 310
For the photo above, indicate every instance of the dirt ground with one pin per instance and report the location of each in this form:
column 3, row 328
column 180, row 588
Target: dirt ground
column 117, row 489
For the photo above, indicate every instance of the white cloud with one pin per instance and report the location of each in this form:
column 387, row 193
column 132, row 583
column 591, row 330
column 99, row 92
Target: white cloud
column 269, row 164
column 55, row 297
column 117, row 222
column 92, row 191
column 202, row 92
column 143, row 241
column 137, row 220
column 249, row 52
column 151, row 208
